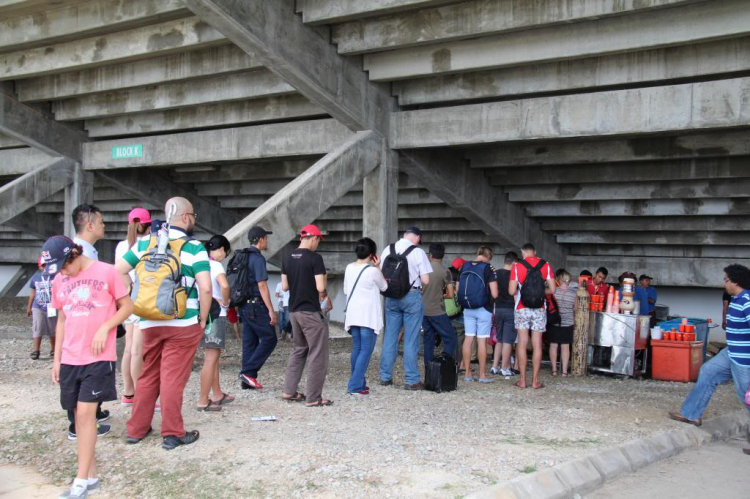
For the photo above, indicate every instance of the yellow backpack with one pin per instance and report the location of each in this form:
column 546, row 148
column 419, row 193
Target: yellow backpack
column 157, row 291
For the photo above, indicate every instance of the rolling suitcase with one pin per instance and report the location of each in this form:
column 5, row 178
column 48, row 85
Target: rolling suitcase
column 441, row 374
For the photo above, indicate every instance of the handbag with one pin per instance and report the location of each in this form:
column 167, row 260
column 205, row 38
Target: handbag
column 351, row 293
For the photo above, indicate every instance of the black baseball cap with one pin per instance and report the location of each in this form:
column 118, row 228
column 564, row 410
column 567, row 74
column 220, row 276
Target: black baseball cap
column 644, row 276
column 54, row 253
column 414, row 230
column 257, row 232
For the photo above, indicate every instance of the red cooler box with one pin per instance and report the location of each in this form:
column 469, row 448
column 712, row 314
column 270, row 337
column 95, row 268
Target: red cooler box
column 676, row 360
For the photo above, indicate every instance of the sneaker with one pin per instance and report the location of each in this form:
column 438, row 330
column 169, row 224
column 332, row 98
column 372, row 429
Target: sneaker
column 101, row 430
column 75, row 492
column 127, row 401
column 172, row 442
column 388, row 382
column 94, row 487
column 507, row 372
column 415, row 387
column 135, row 440
column 251, row 382
column 495, row 370
column 102, row 416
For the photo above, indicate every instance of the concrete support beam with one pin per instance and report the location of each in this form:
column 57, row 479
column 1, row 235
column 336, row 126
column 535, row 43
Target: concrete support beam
column 212, row 61
column 648, row 224
column 466, row 190
column 305, row 138
column 642, row 171
column 639, row 207
column 699, row 22
column 631, row 68
column 224, row 88
column 21, row 161
column 41, row 225
column 269, row 170
column 283, row 107
column 88, row 19
column 695, row 106
column 327, row 12
column 139, row 43
column 312, row 193
column 80, row 191
column 643, row 250
column 156, row 189
column 380, row 200
column 699, row 145
column 303, row 57
column 705, row 272
column 475, row 19
column 9, row 142
column 26, row 191
column 669, row 238
column 18, row 281
column 677, row 189
column 33, row 128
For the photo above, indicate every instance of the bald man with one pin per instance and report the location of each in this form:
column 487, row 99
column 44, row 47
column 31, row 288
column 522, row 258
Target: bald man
column 169, row 345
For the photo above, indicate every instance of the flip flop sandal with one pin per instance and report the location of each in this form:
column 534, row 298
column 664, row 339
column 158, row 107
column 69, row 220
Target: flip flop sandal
column 35, row 355
column 320, row 403
column 486, row 380
column 468, row 379
column 519, row 386
column 554, row 373
column 211, row 407
column 297, row 397
column 541, row 385
column 564, row 375
column 225, row 400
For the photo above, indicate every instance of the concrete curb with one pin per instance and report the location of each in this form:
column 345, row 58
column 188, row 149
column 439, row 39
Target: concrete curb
column 588, row 473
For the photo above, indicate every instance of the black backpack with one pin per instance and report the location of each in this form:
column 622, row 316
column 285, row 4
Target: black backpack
column 532, row 289
column 396, row 273
column 553, row 311
column 238, row 279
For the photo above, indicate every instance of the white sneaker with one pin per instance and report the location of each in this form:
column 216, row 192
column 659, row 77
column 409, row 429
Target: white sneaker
column 507, row 373
column 75, row 492
column 495, row 370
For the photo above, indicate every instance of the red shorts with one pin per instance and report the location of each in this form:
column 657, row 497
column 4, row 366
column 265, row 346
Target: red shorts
column 232, row 315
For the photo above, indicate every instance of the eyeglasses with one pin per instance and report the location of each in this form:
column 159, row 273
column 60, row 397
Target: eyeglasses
column 726, row 279
column 194, row 215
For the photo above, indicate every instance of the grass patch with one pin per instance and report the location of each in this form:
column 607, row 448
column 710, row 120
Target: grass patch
column 528, row 469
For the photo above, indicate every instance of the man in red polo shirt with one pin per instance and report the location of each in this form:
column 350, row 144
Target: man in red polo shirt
column 530, row 319
column 598, row 286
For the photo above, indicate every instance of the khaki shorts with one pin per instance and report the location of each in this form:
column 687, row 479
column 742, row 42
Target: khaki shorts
column 41, row 325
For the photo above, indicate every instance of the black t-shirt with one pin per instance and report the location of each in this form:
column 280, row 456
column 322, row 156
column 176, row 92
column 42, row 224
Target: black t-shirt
column 504, row 299
column 300, row 267
column 726, row 297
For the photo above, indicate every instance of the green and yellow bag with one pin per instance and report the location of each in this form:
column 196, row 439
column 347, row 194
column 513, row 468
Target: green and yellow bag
column 157, row 291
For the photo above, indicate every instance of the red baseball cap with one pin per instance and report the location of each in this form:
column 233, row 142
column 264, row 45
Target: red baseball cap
column 141, row 214
column 457, row 263
column 311, row 230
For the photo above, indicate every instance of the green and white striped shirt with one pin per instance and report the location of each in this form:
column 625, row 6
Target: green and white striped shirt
column 193, row 260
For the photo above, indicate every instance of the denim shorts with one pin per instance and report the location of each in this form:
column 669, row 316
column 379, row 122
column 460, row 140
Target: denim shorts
column 505, row 326
column 477, row 322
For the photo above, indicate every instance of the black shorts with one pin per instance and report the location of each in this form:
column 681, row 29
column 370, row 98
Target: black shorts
column 90, row 383
column 560, row 334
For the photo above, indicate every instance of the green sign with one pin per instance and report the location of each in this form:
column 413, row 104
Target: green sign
column 132, row 151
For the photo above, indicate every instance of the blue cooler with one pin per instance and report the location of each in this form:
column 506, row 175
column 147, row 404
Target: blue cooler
column 701, row 330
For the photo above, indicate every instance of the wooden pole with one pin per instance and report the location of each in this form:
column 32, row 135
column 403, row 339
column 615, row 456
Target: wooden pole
column 580, row 334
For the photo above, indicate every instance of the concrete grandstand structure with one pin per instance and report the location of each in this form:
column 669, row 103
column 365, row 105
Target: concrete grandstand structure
column 606, row 132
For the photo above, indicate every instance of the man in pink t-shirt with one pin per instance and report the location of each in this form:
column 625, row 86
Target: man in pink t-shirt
column 530, row 319
column 91, row 301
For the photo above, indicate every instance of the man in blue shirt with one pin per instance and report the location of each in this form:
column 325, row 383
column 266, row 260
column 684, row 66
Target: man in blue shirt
column 258, row 316
column 732, row 363
column 645, row 282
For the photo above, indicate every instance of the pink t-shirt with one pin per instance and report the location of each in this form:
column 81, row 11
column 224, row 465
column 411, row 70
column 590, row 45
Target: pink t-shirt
column 87, row 300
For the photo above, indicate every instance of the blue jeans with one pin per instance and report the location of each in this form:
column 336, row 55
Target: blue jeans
column 283, row 318
column 715, row 372
column 442, row 325
column 406, row 312
column 258, row 338
column 363, row 343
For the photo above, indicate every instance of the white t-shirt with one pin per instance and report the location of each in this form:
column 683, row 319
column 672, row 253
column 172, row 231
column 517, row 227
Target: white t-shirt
column 217, row 269
column 88, row 249
column 284, row 296
column 419, row 264
column 120, row 250
column 364, row 308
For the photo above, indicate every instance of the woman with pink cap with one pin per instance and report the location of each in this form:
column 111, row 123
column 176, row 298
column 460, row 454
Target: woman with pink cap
column 139, row 226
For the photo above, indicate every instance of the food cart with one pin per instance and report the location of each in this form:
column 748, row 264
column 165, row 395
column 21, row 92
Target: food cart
column 618, row 343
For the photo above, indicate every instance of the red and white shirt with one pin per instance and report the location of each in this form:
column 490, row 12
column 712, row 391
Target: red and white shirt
column 518, row 274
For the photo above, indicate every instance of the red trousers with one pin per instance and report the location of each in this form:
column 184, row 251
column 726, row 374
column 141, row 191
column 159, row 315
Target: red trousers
column 168, row 354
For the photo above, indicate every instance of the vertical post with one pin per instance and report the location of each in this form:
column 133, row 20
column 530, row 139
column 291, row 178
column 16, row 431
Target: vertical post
column 79, row 192
column 580, row 333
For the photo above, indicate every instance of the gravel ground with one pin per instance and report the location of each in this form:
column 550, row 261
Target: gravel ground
column 392, row 443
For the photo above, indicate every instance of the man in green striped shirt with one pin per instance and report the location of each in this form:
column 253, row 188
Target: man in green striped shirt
column 169, row 346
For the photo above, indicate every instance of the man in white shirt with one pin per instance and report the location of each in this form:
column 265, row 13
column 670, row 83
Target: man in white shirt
column 406, row 311
column 282, row 298
column 89, row 225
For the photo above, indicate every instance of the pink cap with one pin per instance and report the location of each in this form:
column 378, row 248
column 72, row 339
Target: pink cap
column 311, row 230
column 457, row 263
column 141, row 214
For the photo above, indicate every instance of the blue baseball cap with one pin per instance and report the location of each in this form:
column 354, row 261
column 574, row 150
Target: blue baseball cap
column 54, row 253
